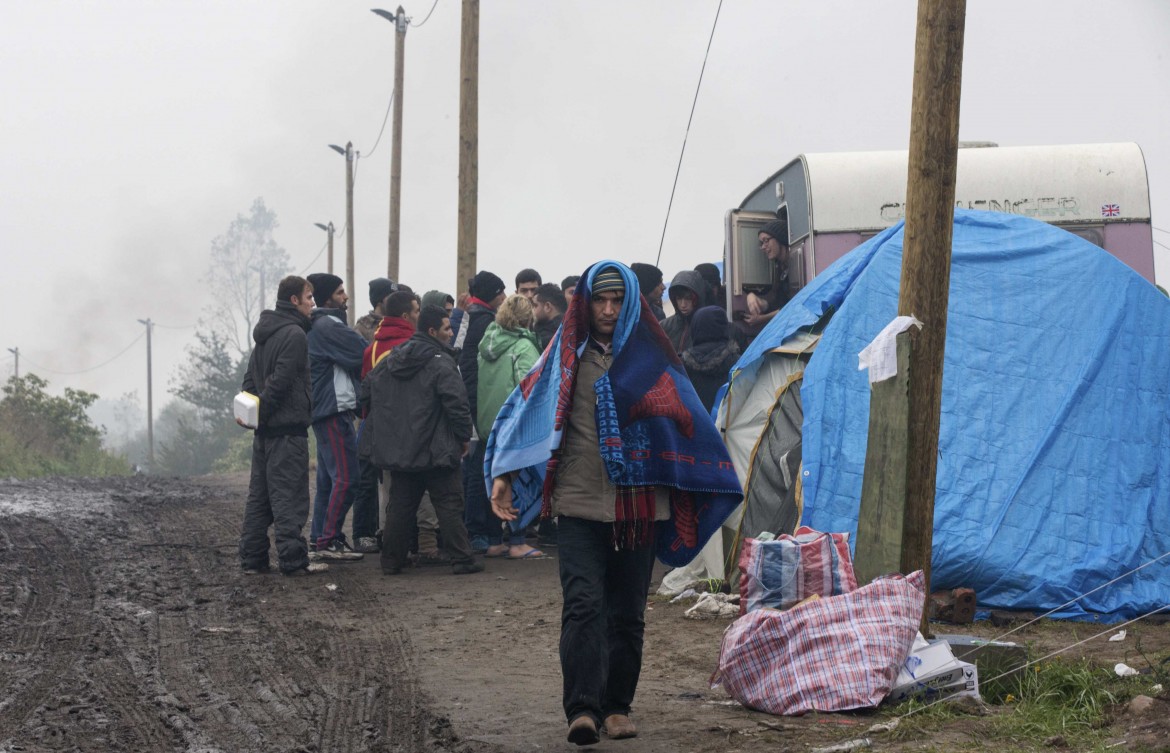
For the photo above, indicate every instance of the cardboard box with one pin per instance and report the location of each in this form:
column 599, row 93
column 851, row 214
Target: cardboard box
column 931, row 672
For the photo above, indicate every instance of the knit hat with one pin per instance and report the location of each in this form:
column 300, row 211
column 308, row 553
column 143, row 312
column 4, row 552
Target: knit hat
column 436, row 298
column 380, row 287
column 649, row 276
column 324, row 286
column 608, row 280
column 485, row 286
column 777, row 229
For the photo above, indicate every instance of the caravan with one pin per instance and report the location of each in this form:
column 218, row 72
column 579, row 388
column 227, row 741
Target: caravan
column 835, row 202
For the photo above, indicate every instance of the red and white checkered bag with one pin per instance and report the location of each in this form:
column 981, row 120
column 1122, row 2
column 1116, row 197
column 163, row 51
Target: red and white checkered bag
column 831, row 654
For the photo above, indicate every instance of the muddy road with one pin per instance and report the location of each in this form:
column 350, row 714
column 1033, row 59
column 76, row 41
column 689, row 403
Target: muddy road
column 126, row 625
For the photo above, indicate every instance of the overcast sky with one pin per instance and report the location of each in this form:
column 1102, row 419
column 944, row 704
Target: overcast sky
column 135, row 131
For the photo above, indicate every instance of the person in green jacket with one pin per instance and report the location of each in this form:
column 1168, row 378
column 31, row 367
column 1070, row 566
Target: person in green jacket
column 507, row 352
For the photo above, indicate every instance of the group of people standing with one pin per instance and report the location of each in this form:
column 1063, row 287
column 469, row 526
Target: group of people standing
column 607, row 445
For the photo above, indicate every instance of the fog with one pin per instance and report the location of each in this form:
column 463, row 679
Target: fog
column 134, row 132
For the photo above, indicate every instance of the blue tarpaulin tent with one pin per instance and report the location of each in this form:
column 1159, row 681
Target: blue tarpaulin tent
column 1054, row 446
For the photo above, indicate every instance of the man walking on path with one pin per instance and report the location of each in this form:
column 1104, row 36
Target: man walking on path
column 335, row 360
column 419, row 427
column 278, row 490
column 607, row 433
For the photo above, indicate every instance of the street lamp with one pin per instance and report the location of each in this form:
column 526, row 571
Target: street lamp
column 399, row 20
column 347, row 152
column 328, row 229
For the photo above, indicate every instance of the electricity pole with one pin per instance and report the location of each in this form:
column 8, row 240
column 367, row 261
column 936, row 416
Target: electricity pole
column 468, row 145
column 329, row 233
column 349, row 156
column 16, row 352
column 926, row 256
column 149, row 395
column 400, row 22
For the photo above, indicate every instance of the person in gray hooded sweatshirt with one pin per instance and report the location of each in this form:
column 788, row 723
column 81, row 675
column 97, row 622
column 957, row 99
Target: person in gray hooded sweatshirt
column 278, row 490
column 688, row 291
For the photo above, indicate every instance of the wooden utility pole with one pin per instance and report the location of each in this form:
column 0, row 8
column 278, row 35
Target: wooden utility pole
column 396, row 144
column 349, row 288
column 468, row 145
column 904, row 414
column 149, row 395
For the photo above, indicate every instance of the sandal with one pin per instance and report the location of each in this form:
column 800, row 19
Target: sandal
column 531, row 554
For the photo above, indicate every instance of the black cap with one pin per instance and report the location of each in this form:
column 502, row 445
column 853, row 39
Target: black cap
column 380, row 287
column 324, row 286
column 486, row 286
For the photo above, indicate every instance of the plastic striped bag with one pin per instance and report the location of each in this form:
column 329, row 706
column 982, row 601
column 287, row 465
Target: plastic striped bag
column 830, row 654
column 785, row 571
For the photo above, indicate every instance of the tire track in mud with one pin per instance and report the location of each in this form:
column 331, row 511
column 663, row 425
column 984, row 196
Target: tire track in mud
column 356, row 660
column 51, row 598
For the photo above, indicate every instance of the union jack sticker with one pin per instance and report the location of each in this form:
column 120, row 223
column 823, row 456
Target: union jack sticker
column 1110, row 210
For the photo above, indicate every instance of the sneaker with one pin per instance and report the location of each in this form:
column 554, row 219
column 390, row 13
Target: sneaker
column 313, row 568
column 366, row 544
column 619, row 727
column 338, row 551
column 467, row 568
column 261, row 570
column 314, row 555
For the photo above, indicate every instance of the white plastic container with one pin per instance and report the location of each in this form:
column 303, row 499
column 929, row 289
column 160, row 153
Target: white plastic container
column 246, row 408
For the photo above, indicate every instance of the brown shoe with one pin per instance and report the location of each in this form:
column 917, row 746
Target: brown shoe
column 619, row 727
column 583, row 731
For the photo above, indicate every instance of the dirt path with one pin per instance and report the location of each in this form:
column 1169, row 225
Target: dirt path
column 126, row 625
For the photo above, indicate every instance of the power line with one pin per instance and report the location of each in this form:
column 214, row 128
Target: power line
column 318, row 256
column 173, row 326
column 1160, row 230
column 678, row 169
column 420, row 23
column 119, row 354
column 1163, row 245
column 385, row 118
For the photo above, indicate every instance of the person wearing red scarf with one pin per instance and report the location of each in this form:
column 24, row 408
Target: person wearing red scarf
column 396, row 327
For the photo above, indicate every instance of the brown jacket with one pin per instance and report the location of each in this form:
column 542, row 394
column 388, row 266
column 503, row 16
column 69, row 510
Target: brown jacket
column 583, row 489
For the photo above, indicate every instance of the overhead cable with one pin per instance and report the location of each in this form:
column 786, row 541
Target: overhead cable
column 432, row 10
column 118, row 355
column 678, row 169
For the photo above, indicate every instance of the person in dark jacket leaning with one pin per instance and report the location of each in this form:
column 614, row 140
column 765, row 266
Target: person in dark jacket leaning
column 418, row 427
column 278, row 490
column 712, row 355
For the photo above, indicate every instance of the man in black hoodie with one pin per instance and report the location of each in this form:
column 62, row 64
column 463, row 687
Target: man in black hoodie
column 278, row 491
column 418, row 426
column 487, row 293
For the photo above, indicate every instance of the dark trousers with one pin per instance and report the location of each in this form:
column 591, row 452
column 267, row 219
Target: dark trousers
column 603, row 618
column 337, row 476
column 477, row 506
column 278, row 496
column 406, row 492
column 365, row 500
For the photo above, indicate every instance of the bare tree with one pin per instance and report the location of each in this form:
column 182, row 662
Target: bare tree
column 240, row 259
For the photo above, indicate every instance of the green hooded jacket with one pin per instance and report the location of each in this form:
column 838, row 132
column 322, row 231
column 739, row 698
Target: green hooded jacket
column 505, row 356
